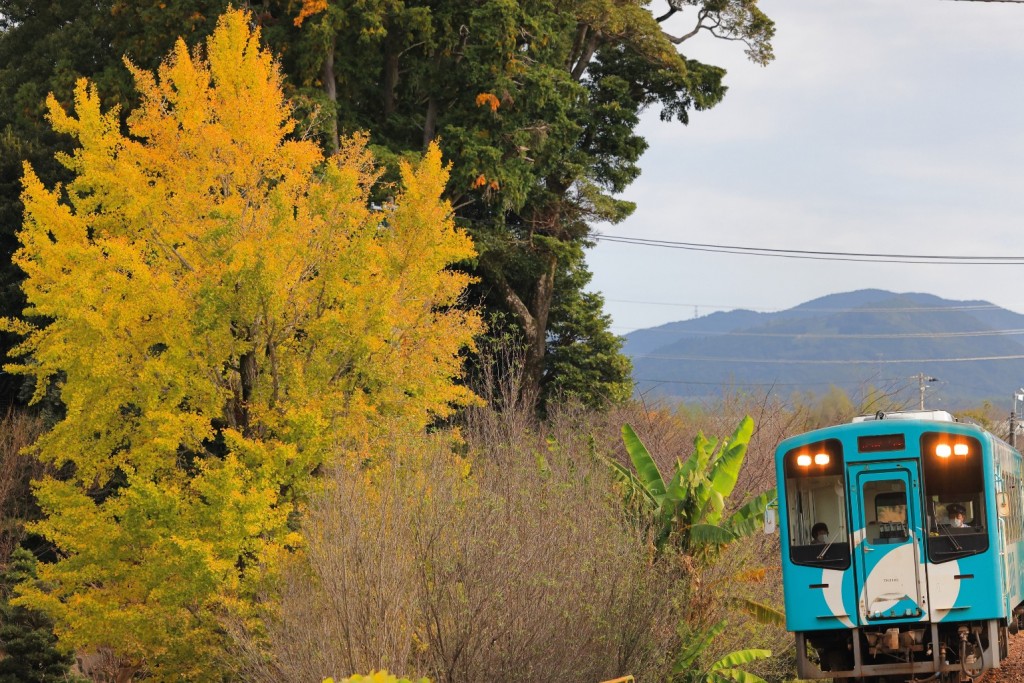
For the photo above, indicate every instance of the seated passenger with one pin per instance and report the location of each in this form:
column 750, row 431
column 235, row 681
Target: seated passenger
column 819, row 533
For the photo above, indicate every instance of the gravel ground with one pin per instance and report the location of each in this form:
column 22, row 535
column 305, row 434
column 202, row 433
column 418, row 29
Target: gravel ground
column 1012, row 670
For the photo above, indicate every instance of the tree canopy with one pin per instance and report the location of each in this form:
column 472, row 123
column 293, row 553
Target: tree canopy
column 537, row 102
column 223, row 312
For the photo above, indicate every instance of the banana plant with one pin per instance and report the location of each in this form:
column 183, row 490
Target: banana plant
column 686, row 667
column 689, row 507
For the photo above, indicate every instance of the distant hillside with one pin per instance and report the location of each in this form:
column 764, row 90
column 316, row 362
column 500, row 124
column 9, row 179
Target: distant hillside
column 849, row 340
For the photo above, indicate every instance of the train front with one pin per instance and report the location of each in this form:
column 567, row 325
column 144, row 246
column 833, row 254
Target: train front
column 891, row 548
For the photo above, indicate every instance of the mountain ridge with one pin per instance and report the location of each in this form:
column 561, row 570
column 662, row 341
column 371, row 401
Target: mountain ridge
column 849, row 339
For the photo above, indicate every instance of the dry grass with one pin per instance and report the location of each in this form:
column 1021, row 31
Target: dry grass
column 518, row 562
column 525, row 570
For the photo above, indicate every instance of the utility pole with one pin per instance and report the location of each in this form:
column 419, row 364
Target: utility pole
column 921, row 379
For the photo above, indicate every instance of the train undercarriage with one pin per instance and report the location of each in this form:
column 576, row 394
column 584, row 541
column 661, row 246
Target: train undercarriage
column 945, row 652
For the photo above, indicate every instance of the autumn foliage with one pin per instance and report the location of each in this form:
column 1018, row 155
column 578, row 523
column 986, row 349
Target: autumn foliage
column 223, row 313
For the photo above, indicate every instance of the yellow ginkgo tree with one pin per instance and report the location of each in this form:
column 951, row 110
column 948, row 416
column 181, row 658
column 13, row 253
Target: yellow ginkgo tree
column 223, row 313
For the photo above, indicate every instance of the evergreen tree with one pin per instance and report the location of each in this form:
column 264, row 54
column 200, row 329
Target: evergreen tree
column 538, row 103
column 28, row 647
column 585, row 360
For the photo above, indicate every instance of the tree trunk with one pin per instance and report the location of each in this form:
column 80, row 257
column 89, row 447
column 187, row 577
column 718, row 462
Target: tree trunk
column 430, row 122
column 534, row 321
column 390, row 82
column 543, row 295
column 330, row 83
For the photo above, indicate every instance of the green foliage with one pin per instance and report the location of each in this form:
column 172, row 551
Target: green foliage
column 689, row 509
column 537, row 103
column 989, row 416
column 585, row 360
column 687, row 669
column 28, row 647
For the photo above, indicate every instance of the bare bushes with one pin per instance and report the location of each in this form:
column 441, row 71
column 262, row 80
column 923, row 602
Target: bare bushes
column 511, row 570
column 17, row 430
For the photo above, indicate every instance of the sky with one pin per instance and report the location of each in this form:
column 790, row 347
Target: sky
column 882, row 126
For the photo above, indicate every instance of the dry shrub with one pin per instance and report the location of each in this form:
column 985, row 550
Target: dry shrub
column 17, row 430
column 523, row 570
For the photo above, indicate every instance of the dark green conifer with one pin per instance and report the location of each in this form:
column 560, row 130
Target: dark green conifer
column 28, row 647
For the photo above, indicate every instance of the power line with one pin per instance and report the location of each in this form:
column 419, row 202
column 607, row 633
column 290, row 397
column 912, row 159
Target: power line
column 857, row 257
column 762, row 384
column 914, row 309
column 804, row 335
column 808, row 361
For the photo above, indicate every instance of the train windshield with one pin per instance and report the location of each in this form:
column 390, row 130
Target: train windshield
column 954, row 496
column 816, row 505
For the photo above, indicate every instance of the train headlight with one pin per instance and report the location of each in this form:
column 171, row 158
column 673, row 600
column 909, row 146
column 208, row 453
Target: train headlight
column 943, row 450
column 821, row 459
column 960, row 449
column 803, row 460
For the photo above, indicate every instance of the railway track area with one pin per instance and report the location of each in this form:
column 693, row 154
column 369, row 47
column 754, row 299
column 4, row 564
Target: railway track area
column 1012, row 670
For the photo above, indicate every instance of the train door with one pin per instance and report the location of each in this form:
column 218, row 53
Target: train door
column 889, row 572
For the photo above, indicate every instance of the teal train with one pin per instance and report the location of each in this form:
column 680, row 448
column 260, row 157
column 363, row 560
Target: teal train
column 902, row 553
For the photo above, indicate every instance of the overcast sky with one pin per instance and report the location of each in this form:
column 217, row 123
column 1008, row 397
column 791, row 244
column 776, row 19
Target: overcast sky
column 883, row 126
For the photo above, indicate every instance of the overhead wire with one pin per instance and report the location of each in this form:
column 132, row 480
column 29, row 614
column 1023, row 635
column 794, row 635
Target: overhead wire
column 823, row 361
column 760, row 384
column 809, row 335
column 858, row 257
column 802, row 309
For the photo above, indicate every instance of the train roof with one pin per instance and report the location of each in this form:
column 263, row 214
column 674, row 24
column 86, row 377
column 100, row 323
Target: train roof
column 932, row 415
column 872, row 424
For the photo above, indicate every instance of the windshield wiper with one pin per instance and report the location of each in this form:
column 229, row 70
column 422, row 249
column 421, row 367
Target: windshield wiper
column 952, row 540
column 824, row 550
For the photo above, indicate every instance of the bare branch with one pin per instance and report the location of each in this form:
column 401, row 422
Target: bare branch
column 701, row 16
column 666, row 15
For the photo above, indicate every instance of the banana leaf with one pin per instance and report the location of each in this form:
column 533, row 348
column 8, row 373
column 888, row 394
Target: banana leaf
column 734, row 659
column 636, row 486
column 762, row 613
column 702, row 535
column 646, row 468
column 746, row 521
column 726, row 471
column 733, row 675
column 692, row 652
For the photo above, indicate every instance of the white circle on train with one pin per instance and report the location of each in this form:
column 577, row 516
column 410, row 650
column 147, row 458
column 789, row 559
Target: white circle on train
column 893, row 580
column 833, row 579
column 943, row 588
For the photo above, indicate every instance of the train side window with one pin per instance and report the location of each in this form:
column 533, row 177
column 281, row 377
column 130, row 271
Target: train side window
column 815, row 491
column 1012, row 498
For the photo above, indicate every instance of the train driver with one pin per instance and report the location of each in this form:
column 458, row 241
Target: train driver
column 956, row 514
column 819, row 533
